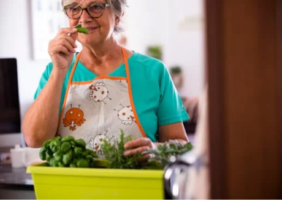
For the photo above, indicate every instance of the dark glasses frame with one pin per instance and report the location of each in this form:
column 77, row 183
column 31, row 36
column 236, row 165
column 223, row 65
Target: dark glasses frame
column 105, row 5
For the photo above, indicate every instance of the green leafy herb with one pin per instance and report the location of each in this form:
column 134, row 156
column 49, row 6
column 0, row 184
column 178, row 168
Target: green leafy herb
column 163, row 153
column 81, row 29
column 67, row 152
column 114, row 154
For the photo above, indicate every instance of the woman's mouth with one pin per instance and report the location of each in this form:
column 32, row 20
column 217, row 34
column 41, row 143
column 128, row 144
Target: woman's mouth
column 92, row 29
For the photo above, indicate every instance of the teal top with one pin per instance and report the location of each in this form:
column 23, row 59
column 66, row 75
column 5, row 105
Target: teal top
column 155, row 98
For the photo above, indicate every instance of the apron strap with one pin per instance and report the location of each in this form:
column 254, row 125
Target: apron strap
column 68, row 87
column 73, row 68
column 130, row 93
column 126, row 63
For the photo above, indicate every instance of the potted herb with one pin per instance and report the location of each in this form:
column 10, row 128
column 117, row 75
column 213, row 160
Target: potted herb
column 177, row 76
column 155, row 52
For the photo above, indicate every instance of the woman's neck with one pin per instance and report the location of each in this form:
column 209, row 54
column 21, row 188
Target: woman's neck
column 101, row 53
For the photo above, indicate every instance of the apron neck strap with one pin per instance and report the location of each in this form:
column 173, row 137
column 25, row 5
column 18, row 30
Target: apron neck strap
column 74, row 66
column 125, row 60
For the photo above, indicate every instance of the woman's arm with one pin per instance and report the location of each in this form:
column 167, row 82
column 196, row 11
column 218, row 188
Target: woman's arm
column 174, row 131
column 41, row 120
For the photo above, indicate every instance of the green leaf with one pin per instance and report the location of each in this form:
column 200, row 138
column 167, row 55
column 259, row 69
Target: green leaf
column 189, row 146
column 81, row 29
column 67, row 157
column 42, row 153
column 46, row 143
column 80, row 143
column 78, row 26
column 67, row 138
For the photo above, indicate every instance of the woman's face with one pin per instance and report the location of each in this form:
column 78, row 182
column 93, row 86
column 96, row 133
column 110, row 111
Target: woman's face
column 100, row 29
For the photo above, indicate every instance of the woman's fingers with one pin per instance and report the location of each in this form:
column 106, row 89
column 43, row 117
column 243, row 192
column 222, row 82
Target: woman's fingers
column 138, row 143
column 67, row 31
column 74, row 35
column 132, row 152
column 60, row 49
column 68, row 38
column 57, row 45
column 145, row 158
column 66, row 44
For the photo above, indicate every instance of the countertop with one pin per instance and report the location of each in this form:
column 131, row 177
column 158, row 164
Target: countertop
column 15, row 178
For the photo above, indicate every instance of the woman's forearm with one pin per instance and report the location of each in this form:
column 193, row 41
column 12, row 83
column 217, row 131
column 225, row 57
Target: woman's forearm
column 41, row 120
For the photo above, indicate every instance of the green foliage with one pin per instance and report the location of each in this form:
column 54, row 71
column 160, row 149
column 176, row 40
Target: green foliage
column 67, row 152
column 114, row 153
column 81, row 29
column 155, row 52
column 164, row 151
column 175, row 70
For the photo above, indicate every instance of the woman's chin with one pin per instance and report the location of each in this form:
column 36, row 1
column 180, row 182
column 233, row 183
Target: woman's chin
column 90, row 42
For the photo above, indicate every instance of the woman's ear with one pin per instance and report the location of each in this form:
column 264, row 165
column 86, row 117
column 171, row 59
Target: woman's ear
column 118, row 18
column 117, row 21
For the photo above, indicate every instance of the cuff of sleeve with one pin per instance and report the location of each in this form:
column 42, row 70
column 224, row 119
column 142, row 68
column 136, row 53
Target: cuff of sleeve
column 170, row 120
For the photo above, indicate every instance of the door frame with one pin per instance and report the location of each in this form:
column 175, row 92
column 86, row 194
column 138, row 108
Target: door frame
column 217, row 98
column 214, row 76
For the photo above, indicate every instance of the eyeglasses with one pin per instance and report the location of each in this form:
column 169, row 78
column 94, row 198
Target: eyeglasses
column 94, row 10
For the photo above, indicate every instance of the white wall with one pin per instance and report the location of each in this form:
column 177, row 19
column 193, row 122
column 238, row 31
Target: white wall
column 147, row 22
column 15, row 41
column 178, row 27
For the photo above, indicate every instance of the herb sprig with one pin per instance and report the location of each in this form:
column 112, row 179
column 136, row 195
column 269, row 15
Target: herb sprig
column 81, row 29
column 114, row 153
column 164, row 151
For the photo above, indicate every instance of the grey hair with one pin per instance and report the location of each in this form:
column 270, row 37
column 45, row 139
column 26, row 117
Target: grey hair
column 118, row 7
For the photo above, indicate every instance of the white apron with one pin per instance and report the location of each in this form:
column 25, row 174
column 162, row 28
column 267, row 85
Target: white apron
column 99, row 109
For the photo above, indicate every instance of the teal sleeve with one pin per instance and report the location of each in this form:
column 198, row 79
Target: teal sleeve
column 43, row 80
column 171, row 109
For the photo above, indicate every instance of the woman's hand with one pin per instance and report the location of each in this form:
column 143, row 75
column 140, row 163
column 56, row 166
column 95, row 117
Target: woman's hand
column 139, row 145
column 62, row 48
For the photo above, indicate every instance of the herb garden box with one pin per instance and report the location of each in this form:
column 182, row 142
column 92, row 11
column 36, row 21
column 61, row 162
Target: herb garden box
column 72, row 171
column 96, row 183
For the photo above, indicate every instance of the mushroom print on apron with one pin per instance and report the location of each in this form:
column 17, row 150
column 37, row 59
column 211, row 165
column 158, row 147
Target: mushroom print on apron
column 99, row 109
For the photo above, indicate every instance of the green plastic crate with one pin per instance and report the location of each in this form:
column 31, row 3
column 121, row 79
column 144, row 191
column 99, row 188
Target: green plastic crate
column 92, row 183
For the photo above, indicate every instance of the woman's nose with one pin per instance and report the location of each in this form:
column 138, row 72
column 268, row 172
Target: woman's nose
column 85, row 17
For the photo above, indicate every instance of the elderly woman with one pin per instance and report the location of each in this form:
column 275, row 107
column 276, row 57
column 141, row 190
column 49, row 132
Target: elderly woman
column 104, row 88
